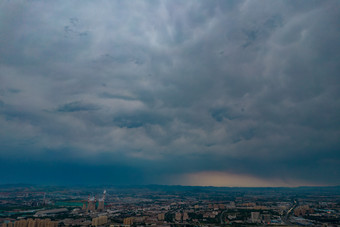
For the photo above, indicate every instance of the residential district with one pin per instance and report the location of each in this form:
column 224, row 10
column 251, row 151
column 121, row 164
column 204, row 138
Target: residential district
column 155, row 205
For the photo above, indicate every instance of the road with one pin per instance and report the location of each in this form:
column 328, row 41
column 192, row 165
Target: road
column 285, row 218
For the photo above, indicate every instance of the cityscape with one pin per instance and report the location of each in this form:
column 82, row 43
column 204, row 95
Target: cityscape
column 159, row 205
column 127, row 113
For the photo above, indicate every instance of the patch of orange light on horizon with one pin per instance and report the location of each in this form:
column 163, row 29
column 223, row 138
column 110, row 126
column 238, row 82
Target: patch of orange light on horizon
column 220, row 179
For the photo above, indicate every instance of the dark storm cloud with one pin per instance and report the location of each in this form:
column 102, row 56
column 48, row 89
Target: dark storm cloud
column 173, row 87
column 77, row 106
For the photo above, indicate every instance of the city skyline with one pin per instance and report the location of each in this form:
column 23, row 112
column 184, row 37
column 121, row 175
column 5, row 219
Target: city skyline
column 222, row 93
column 155, row 205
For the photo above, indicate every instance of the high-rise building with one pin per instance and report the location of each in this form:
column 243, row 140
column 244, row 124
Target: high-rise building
column 32, row 223
column 128, row 221
column 98, row 221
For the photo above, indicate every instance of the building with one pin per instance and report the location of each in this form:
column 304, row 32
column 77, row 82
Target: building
column 178, row 217
column 128, row 221
column 266, row 218
column 185, row 216
column 221, row 206
column 98, row 221
column 255, row 217
column 232, row 205
column 303, row 210
column 32, row 223
column 44, row 213
column 161, row 217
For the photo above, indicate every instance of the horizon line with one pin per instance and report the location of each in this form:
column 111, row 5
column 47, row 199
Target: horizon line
column 162, row 185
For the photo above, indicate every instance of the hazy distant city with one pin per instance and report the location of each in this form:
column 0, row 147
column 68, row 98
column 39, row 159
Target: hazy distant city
column 169, row 113
column 155, row 205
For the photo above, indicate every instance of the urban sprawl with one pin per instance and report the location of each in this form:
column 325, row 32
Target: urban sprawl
column 155, row 205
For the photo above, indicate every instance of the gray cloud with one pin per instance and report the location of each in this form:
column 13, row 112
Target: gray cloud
column 174, row 87
column 77, row 106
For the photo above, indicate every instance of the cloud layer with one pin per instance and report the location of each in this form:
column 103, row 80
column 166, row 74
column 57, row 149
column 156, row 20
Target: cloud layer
column 155, row 89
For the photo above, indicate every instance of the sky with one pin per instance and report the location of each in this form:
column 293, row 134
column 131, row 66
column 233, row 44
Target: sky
column 220, row 93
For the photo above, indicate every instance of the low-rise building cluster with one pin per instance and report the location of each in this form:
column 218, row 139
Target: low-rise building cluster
column 175, row 207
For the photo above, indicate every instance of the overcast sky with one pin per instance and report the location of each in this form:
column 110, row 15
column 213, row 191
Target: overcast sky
column 225, row 93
